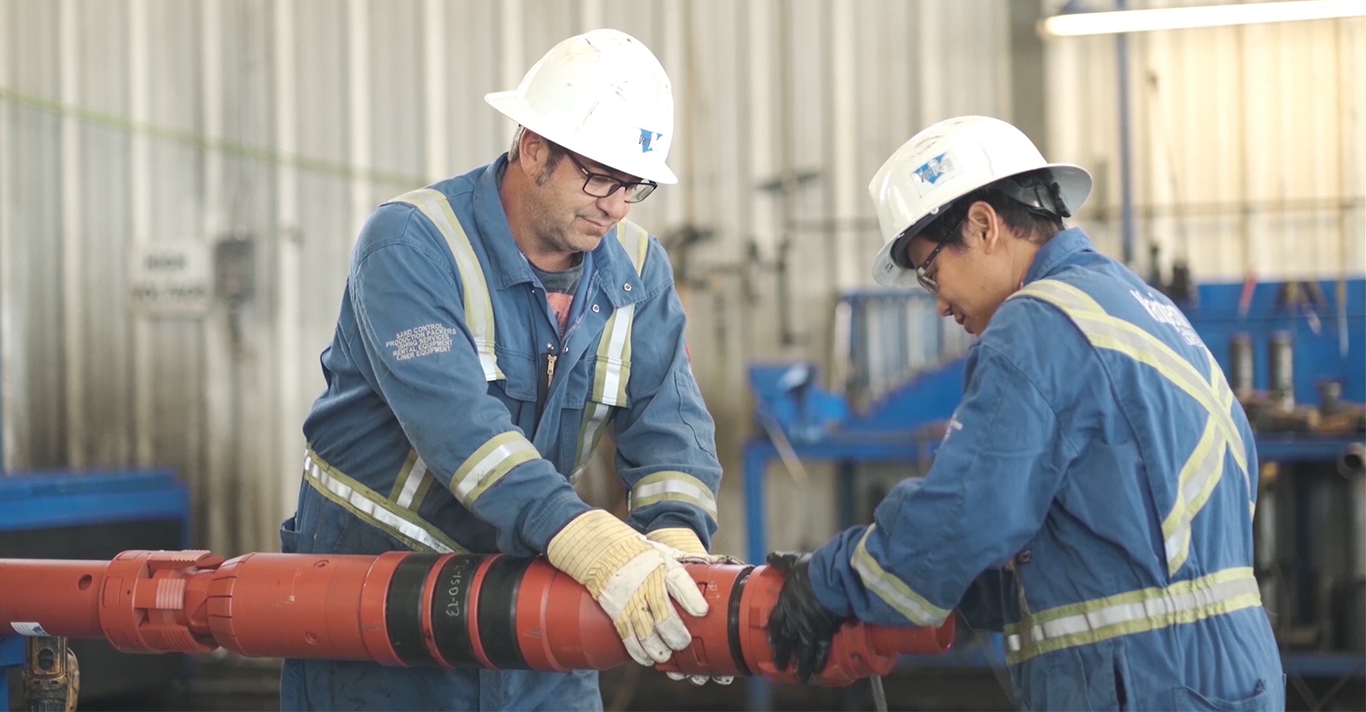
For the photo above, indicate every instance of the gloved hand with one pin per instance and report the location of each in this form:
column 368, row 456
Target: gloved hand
column 799, row 625
column 632, row 581
column 681, row 538
column 682, row 545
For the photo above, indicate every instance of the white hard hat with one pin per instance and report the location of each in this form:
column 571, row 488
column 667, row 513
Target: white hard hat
column 603, row 95
column 947, row 161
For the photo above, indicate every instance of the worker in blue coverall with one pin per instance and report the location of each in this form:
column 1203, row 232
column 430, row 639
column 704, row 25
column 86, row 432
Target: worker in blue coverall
column 1093, row 494
column 494, row 326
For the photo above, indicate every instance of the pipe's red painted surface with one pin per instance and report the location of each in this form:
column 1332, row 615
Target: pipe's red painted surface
column 402, row 608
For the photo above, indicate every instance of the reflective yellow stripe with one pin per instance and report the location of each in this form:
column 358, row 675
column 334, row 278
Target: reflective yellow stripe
column 614, row 358
column 1105, row 331
column 368, row 506
column 1198, row 478
column 1133, row 612
column 892, row 590
column 489, row 463
column 595, row 416
column 614, row 350
column 671, row 486
column 636, row 241
column 478, row 305
column 1203, row 469
column 401, row 482
column 412, row 483
column 1223, row 395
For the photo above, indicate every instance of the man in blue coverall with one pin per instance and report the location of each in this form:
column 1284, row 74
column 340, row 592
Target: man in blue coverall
column 494, row 325
column 1094, row 493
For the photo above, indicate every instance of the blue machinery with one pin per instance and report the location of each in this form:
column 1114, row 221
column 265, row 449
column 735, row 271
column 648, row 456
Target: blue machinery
column 902, row 375
column 92, row 515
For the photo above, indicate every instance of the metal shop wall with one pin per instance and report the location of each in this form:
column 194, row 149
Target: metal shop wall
column 1249, row 143
column 259, row 135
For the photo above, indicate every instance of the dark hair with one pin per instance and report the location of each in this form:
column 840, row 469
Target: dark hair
column 1027, row 222
column 557, row 152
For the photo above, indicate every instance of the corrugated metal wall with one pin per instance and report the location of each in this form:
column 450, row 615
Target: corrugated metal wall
column 284, row 123
column 1249, row 143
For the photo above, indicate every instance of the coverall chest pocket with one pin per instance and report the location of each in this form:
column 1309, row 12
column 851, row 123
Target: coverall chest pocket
column 518, row 391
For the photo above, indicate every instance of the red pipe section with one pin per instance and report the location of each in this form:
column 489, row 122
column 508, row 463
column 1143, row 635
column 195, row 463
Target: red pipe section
column 408, row 609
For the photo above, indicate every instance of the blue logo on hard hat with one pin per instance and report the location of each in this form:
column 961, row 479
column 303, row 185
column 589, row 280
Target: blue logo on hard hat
column 646, row 138
column 935, row 168
column 928, row 175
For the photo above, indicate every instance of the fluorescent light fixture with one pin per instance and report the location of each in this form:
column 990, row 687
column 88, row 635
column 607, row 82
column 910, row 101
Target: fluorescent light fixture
column 1180, row 18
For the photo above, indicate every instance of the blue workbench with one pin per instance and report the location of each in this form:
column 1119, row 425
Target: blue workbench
column 47, row 500
column 40, row 510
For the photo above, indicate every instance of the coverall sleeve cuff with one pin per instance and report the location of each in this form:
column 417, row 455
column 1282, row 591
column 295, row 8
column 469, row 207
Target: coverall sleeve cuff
column 668, row 520
column 551, row 519
column 697, row 523
column 828, row 593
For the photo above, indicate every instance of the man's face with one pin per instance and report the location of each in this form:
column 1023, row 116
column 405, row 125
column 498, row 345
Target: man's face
column 973, row 278
column 565, row 218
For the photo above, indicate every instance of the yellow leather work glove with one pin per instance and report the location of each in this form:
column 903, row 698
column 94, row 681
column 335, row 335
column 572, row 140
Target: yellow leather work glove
column 685, row 540
column 682, row 545
column 632, row 580
column 680, row 538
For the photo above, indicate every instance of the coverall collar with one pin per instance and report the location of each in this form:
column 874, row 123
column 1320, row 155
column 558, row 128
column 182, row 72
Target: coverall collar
column 609, row 259
column 1056, row 251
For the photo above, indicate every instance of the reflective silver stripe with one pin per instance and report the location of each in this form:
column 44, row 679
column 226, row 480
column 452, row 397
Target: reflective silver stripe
column 636, row 241
column 1223, row 395
column 1139, row 611
column 1196, row 483
column 489, row 463
column 411, row 483
column 1108, row 332
column 672, row 486
column 368, row 506
column 594, row 418
column 614, row 358
column 614, row 349
column 478, row 304
column 892, row 590
column 1203, row 469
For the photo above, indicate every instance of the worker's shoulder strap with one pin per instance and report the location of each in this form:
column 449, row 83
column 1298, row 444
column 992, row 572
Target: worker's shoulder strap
column 478, row 305
column 1204, row 467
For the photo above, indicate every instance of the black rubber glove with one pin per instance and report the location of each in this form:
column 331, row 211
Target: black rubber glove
column 799, row 626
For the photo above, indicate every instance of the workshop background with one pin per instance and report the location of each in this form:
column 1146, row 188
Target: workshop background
column 181, row 183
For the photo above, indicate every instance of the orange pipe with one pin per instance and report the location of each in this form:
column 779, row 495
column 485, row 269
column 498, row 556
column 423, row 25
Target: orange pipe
column 407, row 609
column 60, row 596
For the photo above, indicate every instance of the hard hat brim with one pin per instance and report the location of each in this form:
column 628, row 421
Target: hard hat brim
column 509, row 104
column 1074, row 183
column 888, row 273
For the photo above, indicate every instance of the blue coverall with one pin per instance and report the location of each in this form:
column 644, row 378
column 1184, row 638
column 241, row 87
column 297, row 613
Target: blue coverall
column 436, row 435
column 1093, row 498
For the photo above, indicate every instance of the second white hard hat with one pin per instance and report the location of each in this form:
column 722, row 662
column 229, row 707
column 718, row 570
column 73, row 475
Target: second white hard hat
column 947, row 161
column 603, row 95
